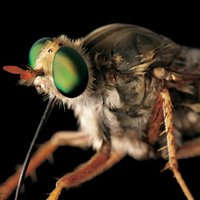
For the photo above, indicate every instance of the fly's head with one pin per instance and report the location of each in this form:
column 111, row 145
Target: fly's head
column 59, row 67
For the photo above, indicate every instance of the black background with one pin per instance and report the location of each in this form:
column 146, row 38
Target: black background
column 22, row 107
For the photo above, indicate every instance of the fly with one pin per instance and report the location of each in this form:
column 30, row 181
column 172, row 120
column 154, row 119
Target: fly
column 133, row 91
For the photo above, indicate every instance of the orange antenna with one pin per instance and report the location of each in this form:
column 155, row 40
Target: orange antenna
column 24, row 74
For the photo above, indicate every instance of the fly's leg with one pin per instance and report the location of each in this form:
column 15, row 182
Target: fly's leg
column 72, row 138
column 96, row 165
column 155, row 121
column 189, row 149
column 172, row 164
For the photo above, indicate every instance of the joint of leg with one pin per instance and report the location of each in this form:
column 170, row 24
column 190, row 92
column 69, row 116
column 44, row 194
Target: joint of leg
column 59, row 184
column 173, row 163
column 57, row 138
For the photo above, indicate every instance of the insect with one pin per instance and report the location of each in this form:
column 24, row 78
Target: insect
column 134, row 92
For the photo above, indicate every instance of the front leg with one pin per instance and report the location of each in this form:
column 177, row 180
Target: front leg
column 96, row 165
column 63, row 138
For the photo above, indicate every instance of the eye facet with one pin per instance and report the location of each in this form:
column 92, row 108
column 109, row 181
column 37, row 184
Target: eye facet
column 35, row 50
column 70, row 72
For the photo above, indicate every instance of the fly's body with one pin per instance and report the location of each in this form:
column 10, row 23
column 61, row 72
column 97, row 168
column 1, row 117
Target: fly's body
column 121, row 81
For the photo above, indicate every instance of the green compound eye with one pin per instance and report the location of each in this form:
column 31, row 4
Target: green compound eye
column 70, row 72
column 35, row 50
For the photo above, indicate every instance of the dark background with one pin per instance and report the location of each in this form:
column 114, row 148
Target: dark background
column 22, row 107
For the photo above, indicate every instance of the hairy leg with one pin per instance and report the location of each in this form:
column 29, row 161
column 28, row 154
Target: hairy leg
column 95, row 166
column 71, row 138
column 172, row 164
